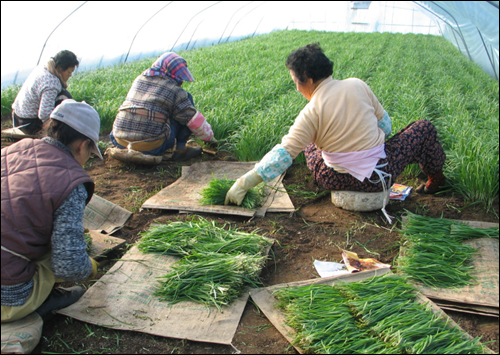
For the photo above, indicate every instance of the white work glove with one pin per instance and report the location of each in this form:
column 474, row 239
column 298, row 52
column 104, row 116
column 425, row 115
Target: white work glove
column 237, row 192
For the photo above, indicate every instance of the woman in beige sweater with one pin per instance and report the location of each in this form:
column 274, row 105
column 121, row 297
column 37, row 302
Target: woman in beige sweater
column 343, row 131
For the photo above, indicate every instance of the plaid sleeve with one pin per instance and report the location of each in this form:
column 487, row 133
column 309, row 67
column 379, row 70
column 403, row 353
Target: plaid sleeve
column 183, row 109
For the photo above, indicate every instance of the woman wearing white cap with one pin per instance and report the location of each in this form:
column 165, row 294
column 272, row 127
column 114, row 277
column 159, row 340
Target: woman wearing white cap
column 44, row 193
column 158, row 114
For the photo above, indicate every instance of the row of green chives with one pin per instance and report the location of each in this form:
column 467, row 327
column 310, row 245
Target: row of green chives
column 374, row 316
column 434, row 253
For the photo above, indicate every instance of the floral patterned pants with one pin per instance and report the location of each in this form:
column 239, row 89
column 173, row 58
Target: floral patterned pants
column 417, row 143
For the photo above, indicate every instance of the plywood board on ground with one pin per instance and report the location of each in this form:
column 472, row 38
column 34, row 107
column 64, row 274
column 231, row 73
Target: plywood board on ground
column 15, row 133
column 265, row 300
column 484, row 292
column 103, row 243
column 483, row 295
column 185, row 193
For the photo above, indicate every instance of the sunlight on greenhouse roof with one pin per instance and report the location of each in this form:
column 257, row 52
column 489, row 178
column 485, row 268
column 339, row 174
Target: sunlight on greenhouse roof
column 104, row 33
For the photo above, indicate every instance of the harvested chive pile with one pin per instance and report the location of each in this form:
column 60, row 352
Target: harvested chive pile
column 434, row 254
column 217, row 262
column 373, row 316
column 215, row 194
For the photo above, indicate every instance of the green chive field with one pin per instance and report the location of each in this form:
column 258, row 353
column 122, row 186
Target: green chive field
column 245, row 91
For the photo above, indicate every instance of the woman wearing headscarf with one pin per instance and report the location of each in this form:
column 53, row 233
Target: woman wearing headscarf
column 43, row 90
column 158, row 114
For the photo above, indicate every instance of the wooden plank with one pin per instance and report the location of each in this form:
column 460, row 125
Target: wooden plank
column 103, row 243
column 467, row 308
column 265, row 300
column 185, row 193
column 15, row 133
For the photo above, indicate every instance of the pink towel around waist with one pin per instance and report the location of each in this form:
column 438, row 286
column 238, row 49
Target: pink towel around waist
column 359, row 164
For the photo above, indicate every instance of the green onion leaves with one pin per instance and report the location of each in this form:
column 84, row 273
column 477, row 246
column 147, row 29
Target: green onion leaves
column 215, row 194
column 374, row 316
column 434, row 254
column 217, row 263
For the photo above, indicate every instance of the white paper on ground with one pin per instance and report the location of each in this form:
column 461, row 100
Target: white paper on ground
column 330, row 268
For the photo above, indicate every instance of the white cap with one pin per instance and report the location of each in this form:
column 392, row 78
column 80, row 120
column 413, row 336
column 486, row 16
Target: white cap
column 81, row 117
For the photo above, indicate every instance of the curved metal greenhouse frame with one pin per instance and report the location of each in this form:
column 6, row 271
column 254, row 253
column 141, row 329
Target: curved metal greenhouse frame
column 135, row 30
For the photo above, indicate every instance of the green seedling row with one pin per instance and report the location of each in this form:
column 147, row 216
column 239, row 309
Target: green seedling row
column 245, row 91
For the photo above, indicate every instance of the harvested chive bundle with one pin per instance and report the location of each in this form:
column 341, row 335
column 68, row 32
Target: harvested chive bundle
column 215, row 194
column 217, row 263
column 434, row 254
column 464, row 231
column 201, row 236
column 210, row 279
column 373, row 316
column 324, row 323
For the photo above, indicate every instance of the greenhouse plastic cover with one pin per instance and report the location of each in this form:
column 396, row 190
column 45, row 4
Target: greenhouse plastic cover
column 103, row 33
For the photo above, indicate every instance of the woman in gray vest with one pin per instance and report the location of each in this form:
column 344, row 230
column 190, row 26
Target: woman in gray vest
column 44, row 193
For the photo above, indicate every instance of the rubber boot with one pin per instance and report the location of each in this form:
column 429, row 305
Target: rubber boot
column 187, row 153
column 60, row 298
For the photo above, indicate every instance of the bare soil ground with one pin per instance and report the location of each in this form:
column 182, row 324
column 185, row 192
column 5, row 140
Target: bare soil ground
column 317, row 230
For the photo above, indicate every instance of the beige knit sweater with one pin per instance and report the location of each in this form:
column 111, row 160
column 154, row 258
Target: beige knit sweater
column 341, row 117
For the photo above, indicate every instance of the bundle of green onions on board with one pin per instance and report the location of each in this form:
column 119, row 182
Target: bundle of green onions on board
column 217, row 262
column 215, row 194
column 434, row 254
column 374, row 316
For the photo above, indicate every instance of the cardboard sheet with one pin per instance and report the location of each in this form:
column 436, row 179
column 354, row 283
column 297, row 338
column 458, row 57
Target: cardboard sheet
column 481, row 298
column 265, row 300
column 185, row 193
column 103, row 243
column 103, row 215
column 123, row 299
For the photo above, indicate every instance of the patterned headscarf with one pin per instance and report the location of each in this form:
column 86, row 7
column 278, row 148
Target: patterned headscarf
column 172, row 65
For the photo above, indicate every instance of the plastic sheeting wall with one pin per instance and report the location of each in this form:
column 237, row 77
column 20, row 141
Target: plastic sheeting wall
column 102, row 33
column 472, row 26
